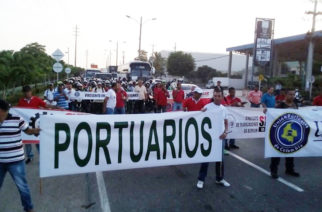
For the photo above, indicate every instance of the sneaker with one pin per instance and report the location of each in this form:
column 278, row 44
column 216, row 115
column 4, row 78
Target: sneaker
column 274, row 175
column 200, row 184
column 234, row 146
column 28, row 160
column 223, row 183
column 226, row 152
column 292, row 173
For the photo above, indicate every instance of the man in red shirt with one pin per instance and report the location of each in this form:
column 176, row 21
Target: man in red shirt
column 318, row 99
column 280, row 97
column 194, row 103
column 121, row 97
column 30, row 101
column 161, row 99
column 178, row 97
column 233, row 101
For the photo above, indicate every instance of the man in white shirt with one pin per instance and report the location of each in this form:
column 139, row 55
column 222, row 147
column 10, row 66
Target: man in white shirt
column 70, row 91
column 215, row 105
column 143, row 95
column 49, row 95
column 110, row 100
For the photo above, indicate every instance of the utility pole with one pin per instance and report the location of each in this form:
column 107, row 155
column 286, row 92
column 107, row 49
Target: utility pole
column 67, row 55
column 310, row 54
column 117, row 52
column 76, row 34
column 152, row 50
column 175, row 47
column 140, row 36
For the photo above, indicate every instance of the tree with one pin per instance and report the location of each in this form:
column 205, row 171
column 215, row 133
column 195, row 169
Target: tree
column 159, row 63
column 142, row 56
column 29, row 65
column 180, row 64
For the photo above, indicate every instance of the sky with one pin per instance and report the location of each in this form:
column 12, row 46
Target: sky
column 192, row 26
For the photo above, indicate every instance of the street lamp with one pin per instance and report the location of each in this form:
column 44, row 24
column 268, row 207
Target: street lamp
column 140, row 35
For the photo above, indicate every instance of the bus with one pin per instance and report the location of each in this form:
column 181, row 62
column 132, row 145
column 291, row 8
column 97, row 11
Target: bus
column 136, row 70
column 90, row 73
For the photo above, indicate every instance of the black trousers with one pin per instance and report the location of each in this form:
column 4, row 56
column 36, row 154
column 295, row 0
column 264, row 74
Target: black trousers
column 161, row 109
column 139, row 106
column 289, row 164
column 204, row 170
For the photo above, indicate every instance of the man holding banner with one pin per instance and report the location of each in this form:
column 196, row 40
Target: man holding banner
column 12, row 152
column 289, row 161
column 215, row 105
column 31, row 101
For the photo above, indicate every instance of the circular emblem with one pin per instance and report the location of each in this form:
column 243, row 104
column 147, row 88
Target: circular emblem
column 289, row 133
column 77, row 94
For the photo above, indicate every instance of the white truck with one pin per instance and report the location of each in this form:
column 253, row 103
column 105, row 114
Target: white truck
column 213, row 82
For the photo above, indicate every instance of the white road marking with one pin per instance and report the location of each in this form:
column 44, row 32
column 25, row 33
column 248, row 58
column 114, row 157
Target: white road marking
column 281, row 180
column 105, row 205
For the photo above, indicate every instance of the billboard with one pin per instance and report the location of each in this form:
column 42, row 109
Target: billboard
column 264, row 31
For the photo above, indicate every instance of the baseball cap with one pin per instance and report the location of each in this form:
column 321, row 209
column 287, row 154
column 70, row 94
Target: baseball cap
column 198, row 90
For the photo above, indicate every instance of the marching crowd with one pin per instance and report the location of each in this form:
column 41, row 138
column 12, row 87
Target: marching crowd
column 153, row 97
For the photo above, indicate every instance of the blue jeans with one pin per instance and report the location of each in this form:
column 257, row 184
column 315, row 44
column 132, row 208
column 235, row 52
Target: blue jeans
column 109, row 110
column 176, row 106
column 28, row 149
column 119, row 110
column 17, row 172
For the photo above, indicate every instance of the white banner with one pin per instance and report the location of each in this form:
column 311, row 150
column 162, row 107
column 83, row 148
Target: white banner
column 294, row 132
column 82, row 95
column 32, row 117
column 245, row 123
column 90, row 143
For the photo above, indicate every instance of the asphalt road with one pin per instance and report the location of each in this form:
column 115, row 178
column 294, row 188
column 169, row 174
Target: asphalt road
column 173, row 188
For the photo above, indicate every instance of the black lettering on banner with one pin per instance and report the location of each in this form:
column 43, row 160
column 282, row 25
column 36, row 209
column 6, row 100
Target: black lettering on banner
column 59, row 147
column 169, row 138
column 193, row 122
column 102, row 143
column 206, row 136
column 317, row 132
column 180, row 138
column 153, row 147
column 83, row 126
column 120, row 126
column 134, row 157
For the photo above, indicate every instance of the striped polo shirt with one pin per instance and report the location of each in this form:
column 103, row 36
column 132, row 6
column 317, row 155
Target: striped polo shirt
column 11, row 147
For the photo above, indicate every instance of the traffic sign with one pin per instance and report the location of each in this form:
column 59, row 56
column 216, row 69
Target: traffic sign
column 57, row 67
column 58, row 55
column 261, row 77
column 68, row 70
column 312, row 79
